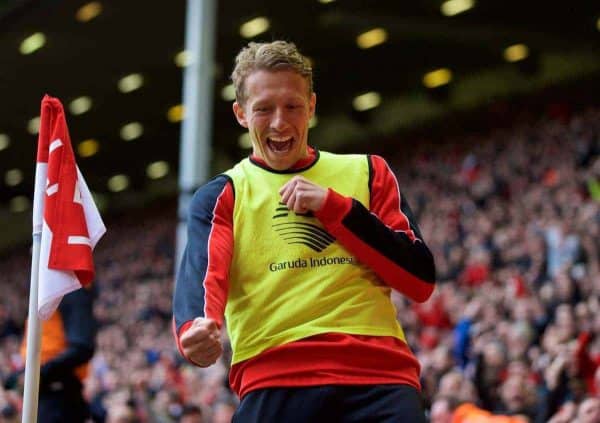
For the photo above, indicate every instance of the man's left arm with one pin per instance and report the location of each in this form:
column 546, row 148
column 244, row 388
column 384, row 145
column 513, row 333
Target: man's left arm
column 386, row 237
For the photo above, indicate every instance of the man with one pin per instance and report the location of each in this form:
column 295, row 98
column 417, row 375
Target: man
column 67, row 345
column 300, row 250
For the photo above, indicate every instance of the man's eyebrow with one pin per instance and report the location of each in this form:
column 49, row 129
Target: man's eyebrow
column 260, row 103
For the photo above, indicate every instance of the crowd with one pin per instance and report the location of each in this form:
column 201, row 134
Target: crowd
column 513, row 221
column 513, row 328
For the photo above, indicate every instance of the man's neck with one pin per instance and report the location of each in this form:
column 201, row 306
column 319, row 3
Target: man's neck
column 303, row 162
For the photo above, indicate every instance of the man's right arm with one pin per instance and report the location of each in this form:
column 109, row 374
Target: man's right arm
column 203, row 279
column 79, row 324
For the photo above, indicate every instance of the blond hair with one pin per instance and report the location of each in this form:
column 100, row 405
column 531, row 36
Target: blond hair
column 273, row 56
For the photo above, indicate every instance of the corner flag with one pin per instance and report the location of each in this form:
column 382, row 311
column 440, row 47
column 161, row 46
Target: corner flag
column 63, row 211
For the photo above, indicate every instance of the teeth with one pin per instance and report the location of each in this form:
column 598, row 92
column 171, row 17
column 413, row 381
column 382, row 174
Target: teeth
column 280, row 145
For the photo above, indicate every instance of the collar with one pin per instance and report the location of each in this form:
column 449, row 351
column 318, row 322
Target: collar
column 300, row 165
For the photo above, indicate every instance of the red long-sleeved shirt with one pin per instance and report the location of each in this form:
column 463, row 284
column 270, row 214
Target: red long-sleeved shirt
column 385, row 238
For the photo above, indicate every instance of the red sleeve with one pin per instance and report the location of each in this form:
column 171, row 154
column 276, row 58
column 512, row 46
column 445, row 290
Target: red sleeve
column 386, row 202
column 220, row 246
column 386, row 237
column 585, row 365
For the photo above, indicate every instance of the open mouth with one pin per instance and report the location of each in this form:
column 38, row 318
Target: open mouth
column 283, row 145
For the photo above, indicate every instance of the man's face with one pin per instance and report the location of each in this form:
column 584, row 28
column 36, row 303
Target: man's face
column 276, row 112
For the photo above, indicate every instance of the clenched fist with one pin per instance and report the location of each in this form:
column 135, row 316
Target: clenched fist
column 301, row 195
column 201, row 343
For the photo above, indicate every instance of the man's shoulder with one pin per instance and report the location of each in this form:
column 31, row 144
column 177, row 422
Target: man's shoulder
column 342, row 156
column 216, row 182
column 240, row 168
column 211, row 190
column 344, row 161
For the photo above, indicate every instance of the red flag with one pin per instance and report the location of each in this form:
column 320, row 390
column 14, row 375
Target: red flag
column 64, row 212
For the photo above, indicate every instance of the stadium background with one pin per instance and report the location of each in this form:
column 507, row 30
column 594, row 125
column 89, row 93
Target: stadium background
column 497, row 150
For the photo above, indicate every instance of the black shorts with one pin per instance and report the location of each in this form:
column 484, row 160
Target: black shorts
column 332, row 403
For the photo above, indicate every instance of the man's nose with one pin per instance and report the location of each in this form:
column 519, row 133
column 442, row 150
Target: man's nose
column 279, row 121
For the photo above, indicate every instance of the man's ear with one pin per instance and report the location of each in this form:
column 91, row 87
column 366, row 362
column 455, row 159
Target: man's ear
column 312, row 104
column 240, row 115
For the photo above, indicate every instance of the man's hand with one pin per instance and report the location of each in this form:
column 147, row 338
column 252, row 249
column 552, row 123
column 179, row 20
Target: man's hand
column 301, row 195
column 201, row 343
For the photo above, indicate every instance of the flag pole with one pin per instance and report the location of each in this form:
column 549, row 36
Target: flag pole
column 66, row 260
column 32, row 360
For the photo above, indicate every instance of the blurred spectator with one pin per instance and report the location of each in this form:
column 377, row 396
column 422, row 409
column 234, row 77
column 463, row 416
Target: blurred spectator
column 66, row 347
column 442, row 409
column 191, row 414
column 224, row 410
column 589, row 410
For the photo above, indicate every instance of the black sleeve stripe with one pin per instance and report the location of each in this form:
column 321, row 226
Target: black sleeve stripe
column 414, row 257
column 406, row 210
column 189, row 295
column 371, row 173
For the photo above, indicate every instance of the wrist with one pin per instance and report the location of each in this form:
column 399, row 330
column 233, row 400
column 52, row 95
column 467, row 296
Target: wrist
column 334, row 208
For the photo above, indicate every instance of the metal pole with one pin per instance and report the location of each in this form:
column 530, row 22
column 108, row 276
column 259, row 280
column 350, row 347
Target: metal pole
column 32, row 360
column 196, row 130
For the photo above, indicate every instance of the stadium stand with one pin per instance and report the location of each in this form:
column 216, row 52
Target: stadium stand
column 513, row 219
